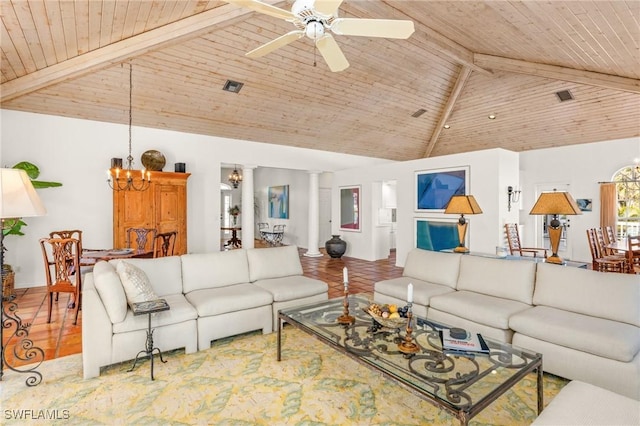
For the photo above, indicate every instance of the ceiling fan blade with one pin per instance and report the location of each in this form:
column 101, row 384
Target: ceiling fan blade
column 332, row 53
column 265, row 8
column 274, row 44
column 327, row 7
column 388, row 28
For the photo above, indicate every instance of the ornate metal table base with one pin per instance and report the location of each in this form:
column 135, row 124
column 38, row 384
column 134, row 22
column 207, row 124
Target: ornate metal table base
column 149, row 308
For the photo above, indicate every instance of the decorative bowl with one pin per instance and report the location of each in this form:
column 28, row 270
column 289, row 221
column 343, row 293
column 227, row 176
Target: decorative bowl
column 153, row 160
column 388, row 322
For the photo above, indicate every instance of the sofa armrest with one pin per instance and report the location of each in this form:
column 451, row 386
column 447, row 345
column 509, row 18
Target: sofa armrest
column 96, row 331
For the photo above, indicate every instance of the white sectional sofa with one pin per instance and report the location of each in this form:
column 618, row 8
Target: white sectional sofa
column 585, row 323
column 211, row 295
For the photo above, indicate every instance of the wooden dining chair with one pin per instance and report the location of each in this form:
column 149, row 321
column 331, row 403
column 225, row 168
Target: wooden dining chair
column 515, row 248
column 633, row 254
column 144, row 237
column 601, row 262
column 165, row 243
column 62, row 265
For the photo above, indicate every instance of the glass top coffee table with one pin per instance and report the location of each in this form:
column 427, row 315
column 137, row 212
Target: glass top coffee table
column 462, row 384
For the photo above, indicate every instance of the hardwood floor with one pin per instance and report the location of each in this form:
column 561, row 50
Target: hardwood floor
column 61, row 337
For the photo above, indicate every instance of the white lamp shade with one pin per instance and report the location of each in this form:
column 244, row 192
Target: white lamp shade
column 19, row 198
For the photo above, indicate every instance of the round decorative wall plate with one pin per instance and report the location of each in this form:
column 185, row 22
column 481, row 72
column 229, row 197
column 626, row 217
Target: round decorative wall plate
column 153, row 160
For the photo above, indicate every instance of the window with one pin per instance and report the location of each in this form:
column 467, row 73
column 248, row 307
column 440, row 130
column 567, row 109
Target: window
column 628, row 190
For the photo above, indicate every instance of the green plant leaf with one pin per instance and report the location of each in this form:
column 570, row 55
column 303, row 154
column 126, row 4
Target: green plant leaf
column 32, row 170
column 41, row 184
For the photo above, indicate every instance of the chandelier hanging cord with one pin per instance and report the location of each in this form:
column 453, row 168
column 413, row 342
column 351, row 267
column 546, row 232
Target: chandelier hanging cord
column 129, row 184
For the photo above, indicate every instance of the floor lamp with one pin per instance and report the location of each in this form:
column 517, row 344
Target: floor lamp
column 462, row 204
column 555, row 203
column 19, row 199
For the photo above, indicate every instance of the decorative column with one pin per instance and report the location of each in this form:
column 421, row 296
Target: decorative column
column 314, row 216
column 248, row 232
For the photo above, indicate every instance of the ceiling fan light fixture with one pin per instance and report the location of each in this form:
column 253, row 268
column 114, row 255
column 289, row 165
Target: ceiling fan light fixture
column 314, row 30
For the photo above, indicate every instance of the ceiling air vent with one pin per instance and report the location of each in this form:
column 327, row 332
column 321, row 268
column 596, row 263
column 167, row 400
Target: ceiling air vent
column 232, row 86
column 564, row 95
column 418, row 113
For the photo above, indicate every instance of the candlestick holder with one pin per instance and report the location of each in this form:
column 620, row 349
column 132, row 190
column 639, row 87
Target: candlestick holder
column 345, row 318
column 408, row 346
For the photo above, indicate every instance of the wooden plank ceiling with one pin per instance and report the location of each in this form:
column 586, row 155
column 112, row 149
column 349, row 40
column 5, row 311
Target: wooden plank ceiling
column 466, row 60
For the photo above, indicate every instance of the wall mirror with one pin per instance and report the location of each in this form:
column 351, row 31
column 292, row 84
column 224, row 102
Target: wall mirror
column 350, row 208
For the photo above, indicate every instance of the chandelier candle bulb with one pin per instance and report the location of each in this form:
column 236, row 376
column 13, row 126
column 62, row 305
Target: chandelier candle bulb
column 410, row 293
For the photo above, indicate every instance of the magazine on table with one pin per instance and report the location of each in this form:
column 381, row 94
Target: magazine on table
column 463, row 343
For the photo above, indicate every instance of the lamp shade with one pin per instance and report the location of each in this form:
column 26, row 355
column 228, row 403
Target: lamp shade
column 19, row 198
column 556, row 202
column 463, row 204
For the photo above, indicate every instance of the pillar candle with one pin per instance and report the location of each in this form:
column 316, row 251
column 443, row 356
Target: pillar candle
column 410, row 293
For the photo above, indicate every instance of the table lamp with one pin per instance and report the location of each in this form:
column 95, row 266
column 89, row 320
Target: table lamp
column 19, row 199
column 462, row 204
column 555, row 203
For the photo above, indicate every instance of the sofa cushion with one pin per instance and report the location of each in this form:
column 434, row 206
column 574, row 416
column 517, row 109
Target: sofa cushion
column 588, row 292
column 180, row 311
column 422, row 291
column 108, row 285
column 165, row 273
column 583, row 404
column 273, row 262
column 136, row 284
column 507, row 279
column 602, row 337
column 480, row 308
column 210, row 270
column 233, row 298
column 432, row 266
column 292, row 287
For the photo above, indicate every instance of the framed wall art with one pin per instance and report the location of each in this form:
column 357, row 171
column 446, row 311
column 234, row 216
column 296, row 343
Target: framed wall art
column 436, row 234
column 279, row 202
column 350, row 208
column 434, row 188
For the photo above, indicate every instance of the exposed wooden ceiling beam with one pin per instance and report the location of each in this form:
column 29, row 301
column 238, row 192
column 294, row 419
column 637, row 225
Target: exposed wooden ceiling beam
column 559, row 73
column 121, row 51
column 465, row 72
column 439, row 43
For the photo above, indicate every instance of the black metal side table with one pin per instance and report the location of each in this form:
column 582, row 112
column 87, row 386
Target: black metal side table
column 149, row 308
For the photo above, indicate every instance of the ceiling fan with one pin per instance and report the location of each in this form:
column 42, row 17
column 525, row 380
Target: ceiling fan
column 317, row 19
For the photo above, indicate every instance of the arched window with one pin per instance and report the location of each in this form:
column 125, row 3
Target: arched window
column 628, row 189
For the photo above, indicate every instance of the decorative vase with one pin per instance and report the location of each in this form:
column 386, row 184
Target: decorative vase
column 335, row 246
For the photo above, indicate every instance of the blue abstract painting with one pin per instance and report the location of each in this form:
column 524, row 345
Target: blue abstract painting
column 435, row 188
column 279, row 202
column 436, row 235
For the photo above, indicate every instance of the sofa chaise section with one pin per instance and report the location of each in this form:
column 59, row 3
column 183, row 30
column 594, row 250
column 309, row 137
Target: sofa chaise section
column 431, row 273
column 489, row 292
column 217, row 285
column 278, row 270
column 587, row 326
column 110, row 331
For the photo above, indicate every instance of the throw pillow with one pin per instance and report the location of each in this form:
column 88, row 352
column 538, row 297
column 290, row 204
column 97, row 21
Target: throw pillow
column 136, row 284
column 109, row 288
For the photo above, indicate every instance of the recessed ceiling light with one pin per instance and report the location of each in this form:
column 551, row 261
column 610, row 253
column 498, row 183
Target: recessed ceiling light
column 492, row 116
column 232, row 86
column 446, row 126
column 564, row 95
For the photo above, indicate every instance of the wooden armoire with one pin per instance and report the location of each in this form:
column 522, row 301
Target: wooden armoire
column 162, row 206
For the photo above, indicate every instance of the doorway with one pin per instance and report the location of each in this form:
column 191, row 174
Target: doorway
column 324, row 204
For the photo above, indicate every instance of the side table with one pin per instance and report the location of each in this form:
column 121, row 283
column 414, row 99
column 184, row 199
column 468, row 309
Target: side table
column 149, row 308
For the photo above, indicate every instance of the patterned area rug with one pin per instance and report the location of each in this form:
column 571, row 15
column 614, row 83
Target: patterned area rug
column 239, row 382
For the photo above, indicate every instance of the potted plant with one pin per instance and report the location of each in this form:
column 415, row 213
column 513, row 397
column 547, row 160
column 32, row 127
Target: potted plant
column 14, row 226
column 234, row 211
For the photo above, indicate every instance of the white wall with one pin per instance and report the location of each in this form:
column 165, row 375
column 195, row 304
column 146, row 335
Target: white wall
column 78, row 152
column 582, row 167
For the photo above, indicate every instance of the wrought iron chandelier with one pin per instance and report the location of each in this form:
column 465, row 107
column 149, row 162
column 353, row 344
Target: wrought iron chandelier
column 129, row 183
column 235, row 178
